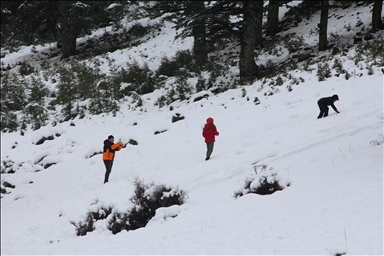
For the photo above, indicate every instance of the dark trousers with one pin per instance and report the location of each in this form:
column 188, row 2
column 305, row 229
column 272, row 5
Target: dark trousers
column 323, row 110
column 108, row 168
column 209, row 149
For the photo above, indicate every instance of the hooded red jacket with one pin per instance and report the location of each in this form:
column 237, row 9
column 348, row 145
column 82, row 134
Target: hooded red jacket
column 210, row 131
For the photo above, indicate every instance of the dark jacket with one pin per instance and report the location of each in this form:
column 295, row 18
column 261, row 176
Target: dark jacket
column 210, row 131
column 328, row 101
column 109, row 150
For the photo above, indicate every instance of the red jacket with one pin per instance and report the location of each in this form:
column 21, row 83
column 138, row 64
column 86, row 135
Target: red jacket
column 210, row 131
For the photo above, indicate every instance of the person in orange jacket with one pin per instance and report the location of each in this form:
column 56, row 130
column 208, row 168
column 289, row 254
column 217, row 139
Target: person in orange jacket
column 209, row 133
column 109, row 154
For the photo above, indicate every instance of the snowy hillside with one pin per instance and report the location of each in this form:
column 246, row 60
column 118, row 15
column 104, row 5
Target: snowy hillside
column 334, row 167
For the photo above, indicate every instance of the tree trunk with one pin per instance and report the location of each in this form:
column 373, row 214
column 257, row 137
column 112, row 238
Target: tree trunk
column 258, row 10
column 68, row 30
column 323, row 26
column 199, row 35
column 377, row 22
column 248, row 67
column 273, row 18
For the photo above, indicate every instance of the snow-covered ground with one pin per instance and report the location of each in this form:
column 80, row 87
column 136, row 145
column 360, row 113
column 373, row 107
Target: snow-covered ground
column 334, row 203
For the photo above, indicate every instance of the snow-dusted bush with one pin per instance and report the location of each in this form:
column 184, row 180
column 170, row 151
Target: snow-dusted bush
column 177, row 117
column 153, row 196
column 51, row 160
column 47, row 133
column 172, row 66
column 323, row 71
column 7, row 166
column 101, row 213
column 3, row 191
column 378, row 141
column 8, row 185
column 83, row 227
column 10, row 166
column 88, row 225
column 146, row 200
column 118, row 222
column 5, row 185
column 265, row 181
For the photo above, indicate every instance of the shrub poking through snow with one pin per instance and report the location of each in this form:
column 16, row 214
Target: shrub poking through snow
column 83, row 227
column 265, row 181
column 102, row 213
column 8, row 185
column 3, row 190
column 378, row 141
column 177, row 117
column 146, row 200
column 118, row 222
column 88, row 225
column 158, row 132
column 7, row 166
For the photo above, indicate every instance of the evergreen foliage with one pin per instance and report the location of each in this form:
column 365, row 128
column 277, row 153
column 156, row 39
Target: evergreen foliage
column 218, row 29
column 55, row 21
column 35, row 111
column 323, row 71
column 134, row 78
column 103, row 100
column 174, row 66
column 67, row 91
column 13, row 99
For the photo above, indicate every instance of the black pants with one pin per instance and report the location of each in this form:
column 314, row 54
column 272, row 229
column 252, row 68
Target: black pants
column 209, row 149
column 323, row 110
column 108, row 168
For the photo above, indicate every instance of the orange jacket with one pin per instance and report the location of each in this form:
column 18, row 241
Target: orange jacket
column 109, row 150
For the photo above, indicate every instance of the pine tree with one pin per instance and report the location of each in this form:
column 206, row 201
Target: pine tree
column 67, row 91
column 35, row 110
column 323, row 25
column 377, row 22
column 38, row 22
column 272, row 26
column 248, row 67
column 104, row 100
column 87, row 79
column 13, row 99
column 13, row 96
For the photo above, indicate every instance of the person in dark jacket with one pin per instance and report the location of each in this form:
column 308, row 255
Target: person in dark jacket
column 209, row 133
column 324, row 103
column 109, row 154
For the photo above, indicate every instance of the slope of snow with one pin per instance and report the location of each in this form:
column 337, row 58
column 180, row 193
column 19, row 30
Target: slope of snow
column 335, row 166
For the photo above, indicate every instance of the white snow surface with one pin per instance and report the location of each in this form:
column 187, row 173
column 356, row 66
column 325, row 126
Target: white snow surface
column 334, row 203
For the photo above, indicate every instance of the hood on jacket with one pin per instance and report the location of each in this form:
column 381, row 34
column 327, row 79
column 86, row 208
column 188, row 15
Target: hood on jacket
column 209, row 120
column 335, row 97
column 107, row 142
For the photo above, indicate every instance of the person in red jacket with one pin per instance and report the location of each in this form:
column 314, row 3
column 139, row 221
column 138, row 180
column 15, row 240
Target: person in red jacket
column 209, row 133
column 109, row 154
